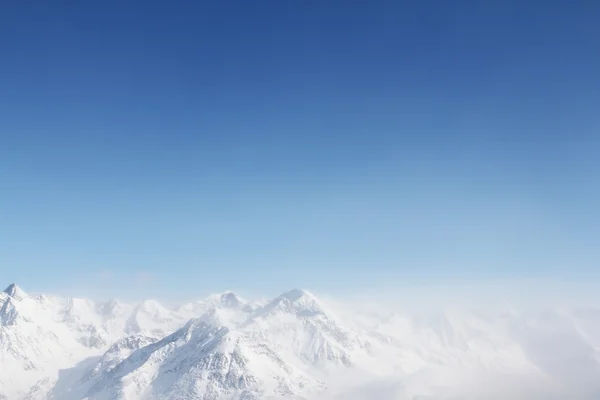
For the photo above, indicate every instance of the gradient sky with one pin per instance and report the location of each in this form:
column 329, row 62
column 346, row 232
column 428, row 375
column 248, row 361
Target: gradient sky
column 192, row 147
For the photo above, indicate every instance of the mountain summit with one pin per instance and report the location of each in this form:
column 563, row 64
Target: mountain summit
column 15, row 292
column 297, row 302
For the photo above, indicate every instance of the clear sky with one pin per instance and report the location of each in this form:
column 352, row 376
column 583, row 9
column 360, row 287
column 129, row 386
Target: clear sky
column 196, row 146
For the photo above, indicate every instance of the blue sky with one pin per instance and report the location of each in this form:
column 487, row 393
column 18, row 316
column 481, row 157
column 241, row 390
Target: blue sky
column 192, row 147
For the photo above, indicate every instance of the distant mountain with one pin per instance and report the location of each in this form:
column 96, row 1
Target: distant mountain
column 294, row 346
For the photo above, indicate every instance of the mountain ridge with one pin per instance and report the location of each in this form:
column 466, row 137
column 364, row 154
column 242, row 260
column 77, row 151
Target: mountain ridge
column 293, row 346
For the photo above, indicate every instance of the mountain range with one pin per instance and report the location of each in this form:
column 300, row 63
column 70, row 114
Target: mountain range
column 294, row 346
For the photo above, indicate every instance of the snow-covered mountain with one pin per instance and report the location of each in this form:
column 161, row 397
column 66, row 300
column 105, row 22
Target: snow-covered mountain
column 204, row 361
column 41, row 335
column 33, row 345
column 295, row 346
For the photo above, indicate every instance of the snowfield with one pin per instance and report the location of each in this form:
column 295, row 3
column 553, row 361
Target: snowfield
column 295, row 346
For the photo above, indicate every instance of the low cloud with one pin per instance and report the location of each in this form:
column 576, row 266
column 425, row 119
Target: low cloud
column 464, row 385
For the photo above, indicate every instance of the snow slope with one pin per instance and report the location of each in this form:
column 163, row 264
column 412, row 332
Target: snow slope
column 203, row 361
column 33, row 346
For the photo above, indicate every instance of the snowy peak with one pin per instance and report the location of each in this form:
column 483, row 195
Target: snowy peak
column 226, row 299
column 296, row 294
column 297, row 301
column 15, row 292
column 297, row 321
column 9, row 305
column 9, row 313
column 229, row 299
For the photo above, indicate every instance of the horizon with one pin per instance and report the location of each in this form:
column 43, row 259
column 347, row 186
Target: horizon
column 523, row 294
column 187, row 148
